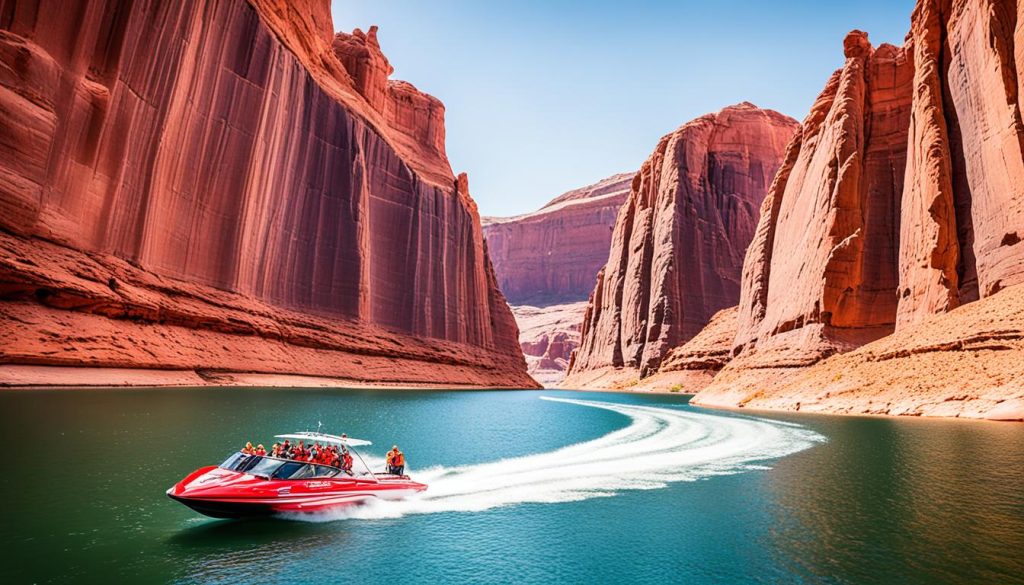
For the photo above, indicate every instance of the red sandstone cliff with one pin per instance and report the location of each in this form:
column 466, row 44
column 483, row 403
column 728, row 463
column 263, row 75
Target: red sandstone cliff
column 552, row 255
column 548, row 335
column 229, row 187
column 546, row 262
column 679, row 240
column 902, row 199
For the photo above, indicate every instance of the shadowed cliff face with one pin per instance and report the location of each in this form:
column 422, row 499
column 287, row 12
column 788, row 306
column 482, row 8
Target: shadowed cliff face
column 679, row 239
column 238, row 158
column 901, row 200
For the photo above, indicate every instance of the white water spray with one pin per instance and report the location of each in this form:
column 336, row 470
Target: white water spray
column 660, row 446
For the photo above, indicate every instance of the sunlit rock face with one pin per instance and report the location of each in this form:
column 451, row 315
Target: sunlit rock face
column 552, row 255
column 823, row 268
column 546, row 263
column 901, row 200
column 679, row 240
column 548, row 335
column 234, row 171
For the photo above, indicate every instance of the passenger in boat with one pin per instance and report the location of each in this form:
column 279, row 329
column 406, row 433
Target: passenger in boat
column 299, row 452
column 346, row 461
column 286, row 449
column 260, row 450
column 399, row 462
column 275, row 450
column 389, row 460
column 248, row 450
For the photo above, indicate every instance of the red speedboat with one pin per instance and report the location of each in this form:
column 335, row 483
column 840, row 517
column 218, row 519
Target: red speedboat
column 254, row 485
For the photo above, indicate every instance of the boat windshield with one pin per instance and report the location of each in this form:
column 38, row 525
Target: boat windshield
column 276, row 468
column 234, row 461
column 265, row 467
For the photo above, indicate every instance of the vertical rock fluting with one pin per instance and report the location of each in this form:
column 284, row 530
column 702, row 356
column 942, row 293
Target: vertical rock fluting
column 949, row 177
column 680, row 237
column 227, row 150
column 823, row 267
column 969, row 142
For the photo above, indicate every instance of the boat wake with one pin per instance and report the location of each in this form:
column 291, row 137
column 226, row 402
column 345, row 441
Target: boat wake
column 658, row 447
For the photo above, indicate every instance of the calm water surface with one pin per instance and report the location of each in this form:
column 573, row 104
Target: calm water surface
column 825, row 500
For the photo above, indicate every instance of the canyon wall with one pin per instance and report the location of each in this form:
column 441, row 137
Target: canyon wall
column 548, row 335
column 546, row 263
column 552, row 255
column 901, row 200
column 679, row 241
column 229, row 187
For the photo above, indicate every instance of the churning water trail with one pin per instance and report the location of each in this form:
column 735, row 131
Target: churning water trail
column 659, row 446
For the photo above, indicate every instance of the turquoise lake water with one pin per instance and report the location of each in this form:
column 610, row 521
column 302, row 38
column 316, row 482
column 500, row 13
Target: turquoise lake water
column 586, row 488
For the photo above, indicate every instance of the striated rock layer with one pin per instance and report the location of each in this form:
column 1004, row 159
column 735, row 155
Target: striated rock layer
column 902, row 199
column 548, row 335
column 546, row 263
column 229, row 186
column 687, row 368
column 679, row 239
column 551, row 256
column 965, row 363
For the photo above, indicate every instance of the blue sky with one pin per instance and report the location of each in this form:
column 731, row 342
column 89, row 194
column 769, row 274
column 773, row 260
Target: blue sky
column 546, row 96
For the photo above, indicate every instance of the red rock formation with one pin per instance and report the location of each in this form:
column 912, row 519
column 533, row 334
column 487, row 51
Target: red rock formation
column 685, row 369
column 942, row 118
column 679, row 240
column 965, row 363
column 709, row 351
column 217, row 187
column 823, row 265
column 551, row 256
column 548, row 335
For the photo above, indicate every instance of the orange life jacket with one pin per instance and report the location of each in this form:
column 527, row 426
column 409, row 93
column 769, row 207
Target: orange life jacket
column 399, row 459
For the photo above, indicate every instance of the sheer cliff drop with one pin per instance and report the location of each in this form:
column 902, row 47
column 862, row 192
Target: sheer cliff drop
column 910, row 173
column 546, row 263
column 679, row 241
column 230, row 187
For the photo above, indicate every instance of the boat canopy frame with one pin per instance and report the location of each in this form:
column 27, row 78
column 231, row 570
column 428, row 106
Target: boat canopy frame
column 349, row 442
column 325, row 438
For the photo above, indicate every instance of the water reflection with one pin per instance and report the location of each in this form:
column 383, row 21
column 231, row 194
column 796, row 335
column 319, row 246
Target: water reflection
column 917, row 501
column 902, row 501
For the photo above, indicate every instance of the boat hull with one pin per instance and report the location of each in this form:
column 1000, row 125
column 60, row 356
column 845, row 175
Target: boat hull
column 220, row 493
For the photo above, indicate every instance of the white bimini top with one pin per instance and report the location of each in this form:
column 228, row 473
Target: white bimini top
column 325, row 438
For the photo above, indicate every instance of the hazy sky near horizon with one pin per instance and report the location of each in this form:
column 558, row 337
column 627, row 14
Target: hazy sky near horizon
column 545, row 96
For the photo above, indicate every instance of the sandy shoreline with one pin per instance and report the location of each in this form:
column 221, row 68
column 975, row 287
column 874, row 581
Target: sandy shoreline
column 27, row 377
column 13, row 377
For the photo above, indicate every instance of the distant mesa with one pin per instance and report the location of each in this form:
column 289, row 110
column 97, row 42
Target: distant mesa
column 552, row 255
column 546, row 263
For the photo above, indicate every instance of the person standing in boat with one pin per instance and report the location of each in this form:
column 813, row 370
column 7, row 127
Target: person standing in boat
column 346, row 461
column 399, row 462
column 389, row 460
